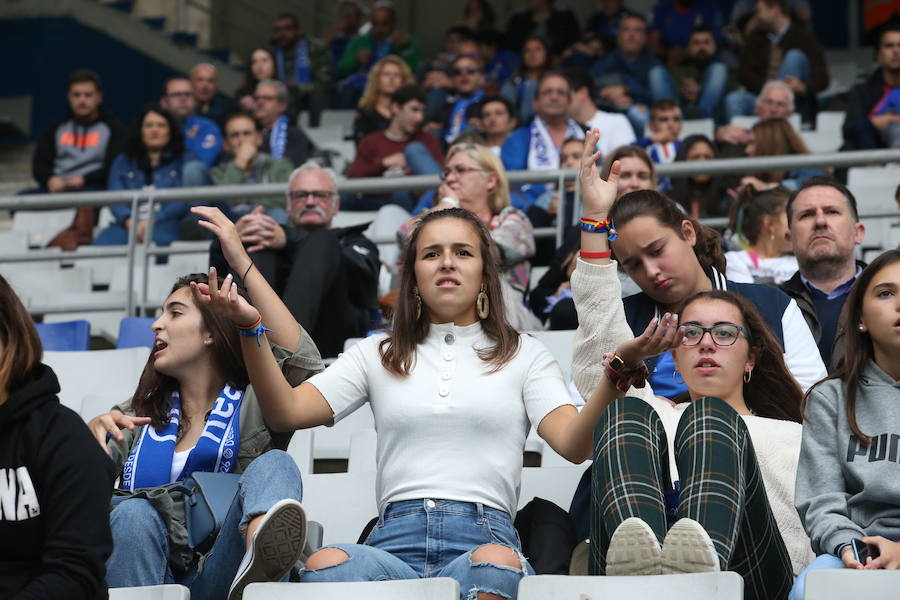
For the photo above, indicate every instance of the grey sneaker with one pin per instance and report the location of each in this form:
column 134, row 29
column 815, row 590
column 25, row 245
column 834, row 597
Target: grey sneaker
column 275, row 548
column 633, row 550
column 688, row 549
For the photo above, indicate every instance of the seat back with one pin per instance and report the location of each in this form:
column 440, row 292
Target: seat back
column 103, row 373
column 65, row 336
column 151, row 592
column 726, row 585
column 135, row 332
column 840, row 584
column 431, row 588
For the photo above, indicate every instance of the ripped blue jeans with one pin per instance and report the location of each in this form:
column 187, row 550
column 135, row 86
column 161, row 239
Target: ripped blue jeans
column 432, row 538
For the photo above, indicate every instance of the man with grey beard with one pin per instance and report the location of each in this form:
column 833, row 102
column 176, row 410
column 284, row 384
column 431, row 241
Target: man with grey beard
column 327, row 276
column 825, row 230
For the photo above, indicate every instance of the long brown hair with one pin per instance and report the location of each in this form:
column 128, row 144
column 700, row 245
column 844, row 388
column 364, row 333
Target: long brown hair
column 650, row 203
column 745, row 218
column 858, row 351
column 152, row 397
column 772, row 391
column 776, row 137
column 22, row 349
column 399, row 348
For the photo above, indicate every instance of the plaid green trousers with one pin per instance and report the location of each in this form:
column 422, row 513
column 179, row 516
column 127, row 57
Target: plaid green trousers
column 721, row 487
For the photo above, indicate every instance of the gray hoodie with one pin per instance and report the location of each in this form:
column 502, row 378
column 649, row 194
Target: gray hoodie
column 846, row 490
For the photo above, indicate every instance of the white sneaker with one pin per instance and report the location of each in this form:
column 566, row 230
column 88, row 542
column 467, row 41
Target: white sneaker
column 688, row 549
column 275, row 548
column 633, row 550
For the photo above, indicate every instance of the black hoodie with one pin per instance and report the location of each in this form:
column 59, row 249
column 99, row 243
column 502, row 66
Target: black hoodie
column 55, row 486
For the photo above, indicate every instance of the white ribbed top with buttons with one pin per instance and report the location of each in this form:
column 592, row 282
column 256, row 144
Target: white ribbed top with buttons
column 451, row 429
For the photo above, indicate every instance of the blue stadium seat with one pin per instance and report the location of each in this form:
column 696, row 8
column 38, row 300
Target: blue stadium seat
column 66, row 336
column 135, row 332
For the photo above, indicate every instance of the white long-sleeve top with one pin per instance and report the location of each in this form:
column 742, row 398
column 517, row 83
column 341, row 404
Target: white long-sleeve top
column 451, row 429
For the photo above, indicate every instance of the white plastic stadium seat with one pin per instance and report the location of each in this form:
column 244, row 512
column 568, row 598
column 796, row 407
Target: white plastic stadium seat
column 151, row 592
column 105, row 373
column 342, row 502
column 13, row 242
column 840, row 584
column 42, row 225
column 561, row 344
column 726, row 585
column 556, row 484
column 432, row 588
column 705, row 127
column 749, row 121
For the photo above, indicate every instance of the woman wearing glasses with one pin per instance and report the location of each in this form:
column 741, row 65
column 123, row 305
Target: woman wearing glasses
column 739, row 504
column 474, row 179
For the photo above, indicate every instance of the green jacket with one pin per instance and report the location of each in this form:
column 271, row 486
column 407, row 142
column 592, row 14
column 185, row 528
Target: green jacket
column 256, row 439
column 266, row 170
column 348, row 65
column 319, row 65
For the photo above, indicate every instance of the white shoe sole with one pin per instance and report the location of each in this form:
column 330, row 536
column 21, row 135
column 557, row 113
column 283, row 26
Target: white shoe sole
column 279, row 540
column 633, row 550
column 688, row 549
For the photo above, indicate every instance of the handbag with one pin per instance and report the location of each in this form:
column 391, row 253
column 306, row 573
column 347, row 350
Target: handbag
column 206, row 506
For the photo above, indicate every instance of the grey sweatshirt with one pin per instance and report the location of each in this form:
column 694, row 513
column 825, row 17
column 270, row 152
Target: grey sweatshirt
column 844, row 489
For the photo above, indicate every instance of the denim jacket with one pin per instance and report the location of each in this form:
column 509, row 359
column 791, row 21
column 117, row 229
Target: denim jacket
column 127, row 174
column 256, row 439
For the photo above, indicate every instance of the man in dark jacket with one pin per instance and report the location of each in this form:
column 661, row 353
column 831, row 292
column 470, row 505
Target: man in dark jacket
column 327, row 277
column 825, row 230
column 74, row 154
column 863, row 129
column 560, row 26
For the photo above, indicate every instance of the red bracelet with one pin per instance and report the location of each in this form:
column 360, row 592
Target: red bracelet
column 252, row 326
column 603, row 254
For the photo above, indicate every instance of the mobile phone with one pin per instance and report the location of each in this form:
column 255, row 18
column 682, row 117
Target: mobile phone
column 862, row 550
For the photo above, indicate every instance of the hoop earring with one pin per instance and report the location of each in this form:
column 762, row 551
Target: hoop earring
column 748, row 375
column 418, row 302
column 482, row 303
column 675, row 375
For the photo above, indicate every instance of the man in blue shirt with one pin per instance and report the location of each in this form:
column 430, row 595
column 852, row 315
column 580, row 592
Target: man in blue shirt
column 825, row 230
column 201, row 135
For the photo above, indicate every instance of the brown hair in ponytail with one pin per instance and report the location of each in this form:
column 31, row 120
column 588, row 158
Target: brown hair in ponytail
column 650, row 203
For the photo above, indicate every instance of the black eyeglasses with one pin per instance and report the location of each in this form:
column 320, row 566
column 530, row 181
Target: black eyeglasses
column 318, row 195
column 722, row 334
column 459, row 170
column 463, row 71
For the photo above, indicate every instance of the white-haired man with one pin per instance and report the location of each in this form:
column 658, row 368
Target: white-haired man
column 775, row 101
column 327, row 276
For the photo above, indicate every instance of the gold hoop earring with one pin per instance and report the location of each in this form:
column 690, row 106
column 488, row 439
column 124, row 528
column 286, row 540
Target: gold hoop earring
column 418, row 302
column 482, row 303
column 748, row 375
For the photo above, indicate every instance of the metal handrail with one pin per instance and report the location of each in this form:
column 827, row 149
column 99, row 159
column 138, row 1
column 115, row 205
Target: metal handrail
column 382, row 185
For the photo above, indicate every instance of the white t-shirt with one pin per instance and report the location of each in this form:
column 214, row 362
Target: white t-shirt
column 745, row 266
column 615, row 131
column 451, row 429
column 178, row 461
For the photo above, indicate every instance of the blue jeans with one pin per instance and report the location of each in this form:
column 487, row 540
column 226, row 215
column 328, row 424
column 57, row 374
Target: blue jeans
column 712, row 89
column 661, row 86
column 824, row 561
column 432, row 538
column 638, row 115
column 164, row 233
column 420, row 160
column 140, row 554
column 795, row 64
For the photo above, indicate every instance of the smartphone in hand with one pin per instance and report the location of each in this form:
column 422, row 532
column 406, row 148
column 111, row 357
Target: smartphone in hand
column 862, row 550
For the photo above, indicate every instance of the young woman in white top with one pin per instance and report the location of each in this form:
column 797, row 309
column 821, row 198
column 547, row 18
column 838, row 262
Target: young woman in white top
column 454, row 390
column 759, row 221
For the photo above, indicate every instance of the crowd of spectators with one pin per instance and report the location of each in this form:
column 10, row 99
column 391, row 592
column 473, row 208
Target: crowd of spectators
column 788, row 307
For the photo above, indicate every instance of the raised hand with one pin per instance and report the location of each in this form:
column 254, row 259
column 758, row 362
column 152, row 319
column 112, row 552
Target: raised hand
column 661, row 335
column 224, row 301
column 112, row 424
column 232, row 246
column 597, row 195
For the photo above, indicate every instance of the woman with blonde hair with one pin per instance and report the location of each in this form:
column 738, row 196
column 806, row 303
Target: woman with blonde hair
column 777, row 137
column 474, row 179
column 387, row 76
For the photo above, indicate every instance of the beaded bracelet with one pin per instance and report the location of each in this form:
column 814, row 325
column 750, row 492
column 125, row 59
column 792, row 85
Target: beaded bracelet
column 255, row 330
column 595, row 226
